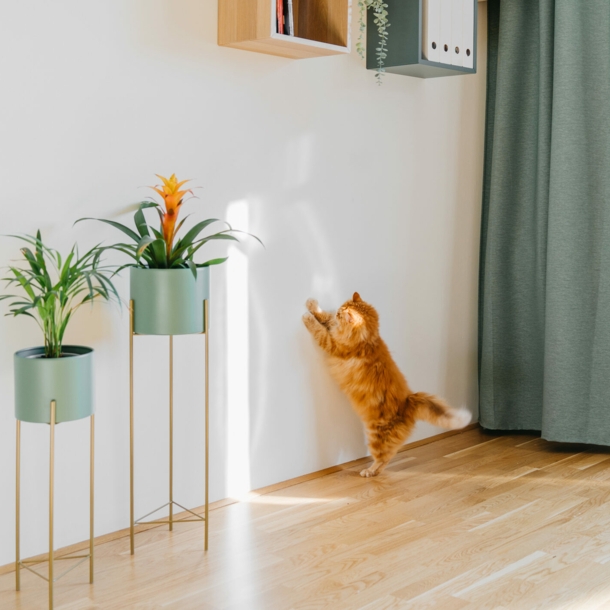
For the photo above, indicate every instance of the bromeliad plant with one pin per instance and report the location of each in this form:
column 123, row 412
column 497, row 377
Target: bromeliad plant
column 54, row 288
column 160, row 248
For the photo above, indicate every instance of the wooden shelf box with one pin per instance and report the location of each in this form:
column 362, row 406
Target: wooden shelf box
column 405, row 49
column 322, row 27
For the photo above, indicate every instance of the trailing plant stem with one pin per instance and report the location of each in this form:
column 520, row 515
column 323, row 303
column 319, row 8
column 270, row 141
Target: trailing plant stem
column 380, row 19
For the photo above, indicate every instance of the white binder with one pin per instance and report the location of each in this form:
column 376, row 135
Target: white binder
column 445, row 45
column 457, row 46
column 431, row 30
column 468, row 32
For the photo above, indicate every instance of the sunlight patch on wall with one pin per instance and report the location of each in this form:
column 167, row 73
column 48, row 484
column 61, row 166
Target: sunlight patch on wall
column 238, row 365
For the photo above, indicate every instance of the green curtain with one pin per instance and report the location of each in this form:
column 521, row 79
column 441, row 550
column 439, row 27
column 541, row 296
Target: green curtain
column 544, row 307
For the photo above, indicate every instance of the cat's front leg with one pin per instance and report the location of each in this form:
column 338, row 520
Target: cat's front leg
column 319, row 332
column 324, row 317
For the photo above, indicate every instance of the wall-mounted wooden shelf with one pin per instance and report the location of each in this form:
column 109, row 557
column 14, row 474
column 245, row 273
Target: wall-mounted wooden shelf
column 322, row 27
column 405, row 51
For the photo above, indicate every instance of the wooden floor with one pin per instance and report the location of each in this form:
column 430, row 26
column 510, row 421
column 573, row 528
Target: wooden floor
column 471, row 521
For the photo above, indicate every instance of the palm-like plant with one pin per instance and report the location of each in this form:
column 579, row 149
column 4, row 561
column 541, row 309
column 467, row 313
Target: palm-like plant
column 54, row 288
column 158, row 248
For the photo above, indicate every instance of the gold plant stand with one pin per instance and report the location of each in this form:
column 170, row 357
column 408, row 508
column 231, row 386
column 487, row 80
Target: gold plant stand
column 28, row 564
column 171, row 503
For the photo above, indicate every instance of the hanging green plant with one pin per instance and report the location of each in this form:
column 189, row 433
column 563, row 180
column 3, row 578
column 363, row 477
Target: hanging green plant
column 380, row 19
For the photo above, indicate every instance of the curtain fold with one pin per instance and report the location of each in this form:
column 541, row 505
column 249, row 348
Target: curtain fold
column 544, row 306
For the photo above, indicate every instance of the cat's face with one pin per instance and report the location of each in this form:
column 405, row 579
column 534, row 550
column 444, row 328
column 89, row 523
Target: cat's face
column 356, row 320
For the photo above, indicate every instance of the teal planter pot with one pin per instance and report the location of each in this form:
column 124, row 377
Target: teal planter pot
column 67, row 380
column 168, row 301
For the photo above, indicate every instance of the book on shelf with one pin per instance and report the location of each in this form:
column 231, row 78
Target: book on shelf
column 290, row 18
column 285, row 17
column 280, row 16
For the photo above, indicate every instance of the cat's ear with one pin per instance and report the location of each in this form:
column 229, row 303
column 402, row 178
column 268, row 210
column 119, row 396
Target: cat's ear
column 356, row 297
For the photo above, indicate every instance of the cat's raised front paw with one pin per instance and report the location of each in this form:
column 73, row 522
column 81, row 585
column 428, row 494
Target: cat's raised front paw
column 312, row 306
column 309, row 321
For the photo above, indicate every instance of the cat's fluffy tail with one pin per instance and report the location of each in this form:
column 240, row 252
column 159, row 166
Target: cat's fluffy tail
column 436, row 411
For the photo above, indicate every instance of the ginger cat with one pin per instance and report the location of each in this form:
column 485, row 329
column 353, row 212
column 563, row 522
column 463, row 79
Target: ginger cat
column 362, row 365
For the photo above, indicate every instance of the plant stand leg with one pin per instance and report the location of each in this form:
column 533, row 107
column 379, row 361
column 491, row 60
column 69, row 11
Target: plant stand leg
column 171, row 520
column 171, row 433
column 18, row 510
column 51, row 490
column 29, row 564
column 206, row 311
column 131, row 498
column 91, row 496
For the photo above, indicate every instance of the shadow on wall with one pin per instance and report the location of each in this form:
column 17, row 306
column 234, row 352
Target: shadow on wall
column 308, row 406
column 184, row 27
column 466, row 238
column 330, row 406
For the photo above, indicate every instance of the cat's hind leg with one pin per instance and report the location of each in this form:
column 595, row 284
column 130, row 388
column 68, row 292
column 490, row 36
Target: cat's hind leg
column 384, row 442
column 374, row 469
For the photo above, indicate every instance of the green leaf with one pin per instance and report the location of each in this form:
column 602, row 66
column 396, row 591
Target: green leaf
column 159, row 254
column 32, row 260
column 203, row 241
column 222, row 236
column 24, row 282
column 192, row 234
column 64, row 325
column 116, row 225
column 249, row 235
column 141, row 223
column 119, row 269
column 38, row 247
column 148, row 204
column 22, row 313
column 65, row 270
column 177, row 263
column 143, row 244
column 192, row 267
column 190, row 237
column 129, row 249
column 214, row 261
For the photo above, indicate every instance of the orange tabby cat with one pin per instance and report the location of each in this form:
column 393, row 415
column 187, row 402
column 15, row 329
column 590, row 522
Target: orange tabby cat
column 361, row 363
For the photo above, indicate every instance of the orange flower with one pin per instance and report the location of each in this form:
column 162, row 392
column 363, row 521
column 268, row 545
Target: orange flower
column 172, row 197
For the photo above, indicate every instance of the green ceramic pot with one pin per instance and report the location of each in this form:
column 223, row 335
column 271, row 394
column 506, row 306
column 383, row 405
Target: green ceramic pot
column 168, row 301
column 67, row 380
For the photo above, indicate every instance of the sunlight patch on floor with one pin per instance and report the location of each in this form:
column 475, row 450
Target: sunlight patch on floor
column 285, row 500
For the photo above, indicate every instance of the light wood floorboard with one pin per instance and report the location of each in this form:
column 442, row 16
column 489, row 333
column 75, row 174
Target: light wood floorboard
column 470, row 521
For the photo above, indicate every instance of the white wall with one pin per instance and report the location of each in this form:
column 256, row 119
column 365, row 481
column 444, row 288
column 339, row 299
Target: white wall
column 350, row 185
